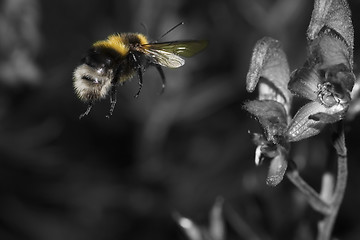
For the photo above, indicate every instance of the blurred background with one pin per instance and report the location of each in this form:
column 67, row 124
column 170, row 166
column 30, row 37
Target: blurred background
column 124, row 177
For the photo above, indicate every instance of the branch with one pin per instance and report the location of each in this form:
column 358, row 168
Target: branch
column 311, row 195
column 327, row 224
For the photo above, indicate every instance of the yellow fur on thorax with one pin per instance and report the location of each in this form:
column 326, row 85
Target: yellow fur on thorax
column 143, row 39
column 119, row 42
column 115, row 42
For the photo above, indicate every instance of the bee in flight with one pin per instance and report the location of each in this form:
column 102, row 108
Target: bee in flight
column 111, row 62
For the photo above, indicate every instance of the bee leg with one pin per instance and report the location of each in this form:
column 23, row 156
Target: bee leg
column 113, row 100
column 140, row 74
column 87, row 110
column 163, row 80
column 139, row 70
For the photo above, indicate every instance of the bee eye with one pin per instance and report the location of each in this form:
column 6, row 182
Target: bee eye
column 90, row 79
column 87, row 78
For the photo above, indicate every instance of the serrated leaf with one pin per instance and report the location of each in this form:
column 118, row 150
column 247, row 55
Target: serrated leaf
column 334, row 14
column 269, row 61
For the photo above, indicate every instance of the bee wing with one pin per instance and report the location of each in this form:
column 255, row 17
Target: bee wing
column 164, row 58
column 168, row 54
column 181, row 48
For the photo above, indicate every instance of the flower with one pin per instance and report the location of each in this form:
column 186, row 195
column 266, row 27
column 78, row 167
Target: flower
column 326, row 79
column 269, row 71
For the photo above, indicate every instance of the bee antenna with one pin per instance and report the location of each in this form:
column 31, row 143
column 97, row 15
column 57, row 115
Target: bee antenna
column 171, row 29
column 145, row 28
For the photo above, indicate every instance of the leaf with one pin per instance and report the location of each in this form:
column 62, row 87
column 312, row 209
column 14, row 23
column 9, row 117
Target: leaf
column 334, row 14
column 271, row 115
column 269, row 61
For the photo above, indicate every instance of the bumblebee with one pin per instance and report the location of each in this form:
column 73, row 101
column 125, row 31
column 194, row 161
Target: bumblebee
column 109, row 63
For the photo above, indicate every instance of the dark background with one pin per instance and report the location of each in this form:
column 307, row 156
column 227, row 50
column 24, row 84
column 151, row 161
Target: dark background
column 122, row 178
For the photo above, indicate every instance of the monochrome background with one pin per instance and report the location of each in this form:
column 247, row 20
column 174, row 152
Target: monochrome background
column 125, row 177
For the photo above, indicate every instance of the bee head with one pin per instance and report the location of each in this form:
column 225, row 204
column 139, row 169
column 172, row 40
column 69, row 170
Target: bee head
column 92, row 79
column 91, row 84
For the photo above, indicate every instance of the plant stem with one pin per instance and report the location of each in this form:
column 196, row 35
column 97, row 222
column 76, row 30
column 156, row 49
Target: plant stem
column 327, row 224
column 311, row 195
column 241, row 226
